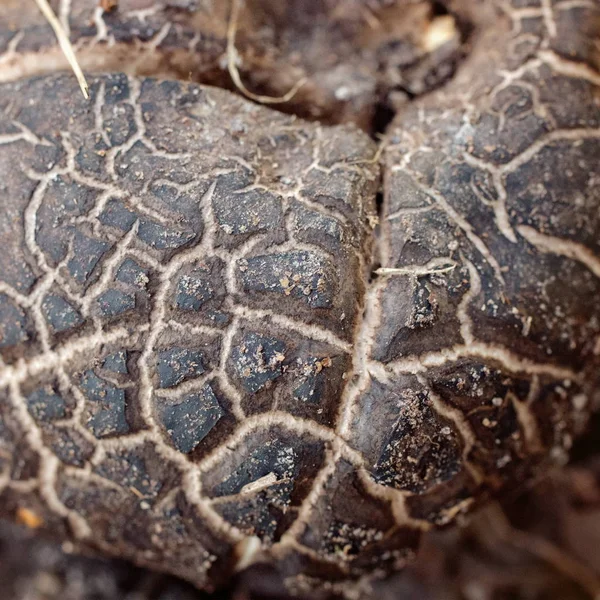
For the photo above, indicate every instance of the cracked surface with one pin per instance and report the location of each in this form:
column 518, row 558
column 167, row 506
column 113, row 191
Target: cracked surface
column 497, row 177
column 198, row 370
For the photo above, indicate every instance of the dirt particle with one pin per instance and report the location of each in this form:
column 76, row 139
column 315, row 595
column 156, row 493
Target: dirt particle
column 29, row 518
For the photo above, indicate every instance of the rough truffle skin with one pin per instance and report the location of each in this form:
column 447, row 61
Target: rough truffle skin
column 496, row 178
column 196, row 357
column 182, row 282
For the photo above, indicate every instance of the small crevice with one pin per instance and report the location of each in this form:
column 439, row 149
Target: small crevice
column 405, row 73
column 383, row 115
column 379, row 203
column 373, row 275
column 375, row 262
column 439, row 9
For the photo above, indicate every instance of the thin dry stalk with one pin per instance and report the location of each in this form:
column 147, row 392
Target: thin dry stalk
column 233, row 69
column 433, row 267
column 65, row 45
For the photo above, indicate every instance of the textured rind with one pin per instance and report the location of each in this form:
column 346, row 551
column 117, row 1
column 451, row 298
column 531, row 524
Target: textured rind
column 340, row 48
column 490, row 218
column 173, row 328
column 187, row 363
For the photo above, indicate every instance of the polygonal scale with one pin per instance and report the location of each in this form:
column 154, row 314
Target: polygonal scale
column 106, row 405
column 275, row 369
column 513, row 418
column 70, row 446
column 353, row 529
column 414, row 447
column 258, row 481
column 418, row 449
column 189, row 421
